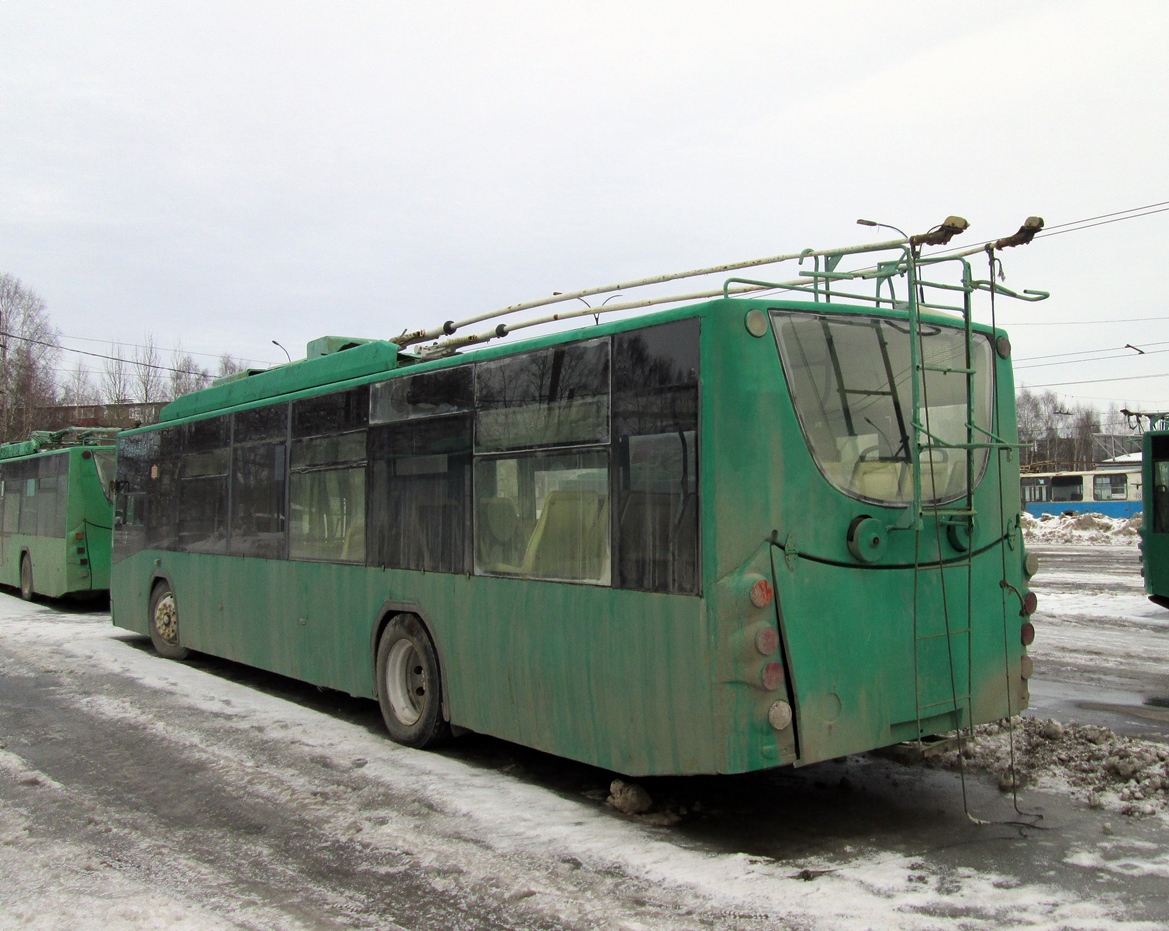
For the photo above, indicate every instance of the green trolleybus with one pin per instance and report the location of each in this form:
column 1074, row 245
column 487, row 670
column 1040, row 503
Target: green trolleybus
column 772, row 524
column 56, row 512
column 1154, row 533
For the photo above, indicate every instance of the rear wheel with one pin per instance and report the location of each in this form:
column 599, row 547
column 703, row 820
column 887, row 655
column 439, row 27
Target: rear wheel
column 164, row 623
column 26, row 589
column 409, row 688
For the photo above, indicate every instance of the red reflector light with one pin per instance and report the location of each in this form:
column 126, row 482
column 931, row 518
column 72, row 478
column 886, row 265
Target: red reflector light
column 767, row 641
column 86, row 455
column 1030, row 602
column 79, row 535
column 1027, row 633
column 762, row 593
column 772, row 676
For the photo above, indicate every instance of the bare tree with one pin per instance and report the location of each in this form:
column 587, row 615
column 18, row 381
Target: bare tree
column 28, row 353
column 186, row 375
column 147, row 372
column 229, row 365
column 115, row 377
column 79, row 389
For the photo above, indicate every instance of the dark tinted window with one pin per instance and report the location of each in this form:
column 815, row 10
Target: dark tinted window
column 257, row 500
column 1160, row 499
column 327, row 498
column 553, row 397
column 162, row 515
column 428, row 394
column 655, row 415
column 137, row 455
column 331, row 413
column 203, row 435
column 655, row 379
column 420, row 486
column 202, row 486
column 261, row 423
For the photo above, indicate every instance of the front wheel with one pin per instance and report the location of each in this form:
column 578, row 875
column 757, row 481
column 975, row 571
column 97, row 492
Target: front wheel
column 409, row 688
column 164, row 623
column 26, row 589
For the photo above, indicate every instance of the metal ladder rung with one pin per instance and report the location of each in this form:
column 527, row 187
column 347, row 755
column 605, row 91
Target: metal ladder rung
column 945, row 369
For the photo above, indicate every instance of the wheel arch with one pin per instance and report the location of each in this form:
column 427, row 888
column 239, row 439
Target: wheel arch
column 388, row 610
column 158, row 577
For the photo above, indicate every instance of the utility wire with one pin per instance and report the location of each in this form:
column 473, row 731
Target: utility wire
column 91, row 339
column 1082, row 352
column 1096, row 381
column 1119, row 355
column 97, row 355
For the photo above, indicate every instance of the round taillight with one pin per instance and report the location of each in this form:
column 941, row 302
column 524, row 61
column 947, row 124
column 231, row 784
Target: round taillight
column 767, row 641
column 86, row 455
column 779, row 715
column 772, row 676
column 1030, row 602
column 762, row 593
column 1030, row 564
column 1027, row 633
column 1026, row 667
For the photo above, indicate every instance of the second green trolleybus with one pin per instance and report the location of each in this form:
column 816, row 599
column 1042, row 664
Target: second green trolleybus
column 730, row 535
column 56, row 512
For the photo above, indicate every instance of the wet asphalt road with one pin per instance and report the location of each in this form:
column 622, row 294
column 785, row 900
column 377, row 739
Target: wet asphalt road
column 1102, row 649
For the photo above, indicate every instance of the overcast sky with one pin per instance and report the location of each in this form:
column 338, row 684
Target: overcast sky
column 224, row 174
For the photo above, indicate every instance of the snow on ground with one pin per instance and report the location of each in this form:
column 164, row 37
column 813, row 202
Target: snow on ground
column 1080, row 528
column 481, row 822
column 1124, row 774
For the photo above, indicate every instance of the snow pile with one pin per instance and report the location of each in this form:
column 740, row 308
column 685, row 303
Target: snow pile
column 1080, row 528
column 1106, row 769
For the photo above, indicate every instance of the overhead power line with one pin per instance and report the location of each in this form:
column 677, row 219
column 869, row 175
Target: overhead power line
column 108, row 342
column 97, row 355
column 1097, row 381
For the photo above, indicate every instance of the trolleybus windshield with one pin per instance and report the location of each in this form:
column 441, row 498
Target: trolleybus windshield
column 849, row 379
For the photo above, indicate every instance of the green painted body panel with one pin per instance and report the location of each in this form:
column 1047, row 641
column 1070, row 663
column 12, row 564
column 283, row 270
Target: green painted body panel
column 359, row 361
column 58, row 569
column 646, row 683
column 1154, row 531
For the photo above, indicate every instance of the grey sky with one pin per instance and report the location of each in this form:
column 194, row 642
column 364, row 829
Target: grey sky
column 225, row 174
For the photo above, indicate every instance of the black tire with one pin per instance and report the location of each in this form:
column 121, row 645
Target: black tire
column 409, row 687
column 26, row 588
column 164, row 623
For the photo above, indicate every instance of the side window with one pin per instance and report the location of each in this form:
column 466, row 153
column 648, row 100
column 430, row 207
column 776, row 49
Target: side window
column 551, row 397
column 7, row 524
column 420, row 490
column 327, row 477
column 202, row 486
column 258, row 471
column 655, row 428
column 52, row 495
column 544, row 514
column 430, row 394
column 1110, row 487
column 137, row 456
column 163, row 489
column 1067, row 488
column 28, row 498
column 1160, row 498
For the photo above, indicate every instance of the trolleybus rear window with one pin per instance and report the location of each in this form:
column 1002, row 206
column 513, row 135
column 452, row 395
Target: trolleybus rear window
column 849, row 379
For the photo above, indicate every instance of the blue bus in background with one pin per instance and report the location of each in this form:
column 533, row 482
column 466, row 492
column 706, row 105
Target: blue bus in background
column 1113, row 492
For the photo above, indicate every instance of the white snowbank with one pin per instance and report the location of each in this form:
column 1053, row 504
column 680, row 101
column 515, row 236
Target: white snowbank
column 1081, row 529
